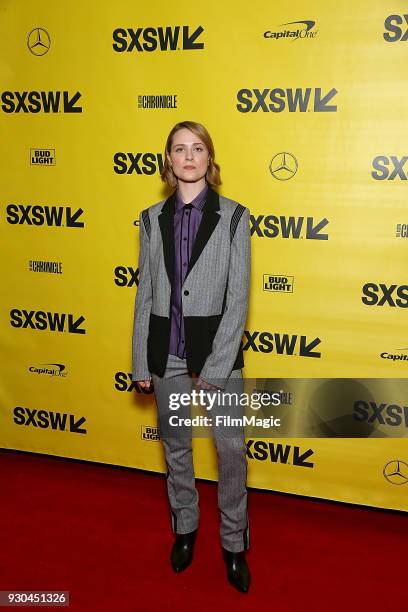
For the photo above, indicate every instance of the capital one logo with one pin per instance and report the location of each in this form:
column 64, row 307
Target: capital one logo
column 396, row 26
column 384, row 295
column 169, row 38
column 277, row 100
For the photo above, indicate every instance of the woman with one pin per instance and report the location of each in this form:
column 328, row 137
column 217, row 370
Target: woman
column 190, row 313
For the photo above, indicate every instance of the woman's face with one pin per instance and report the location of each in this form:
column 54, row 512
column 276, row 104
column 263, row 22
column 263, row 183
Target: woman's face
column 188, row 156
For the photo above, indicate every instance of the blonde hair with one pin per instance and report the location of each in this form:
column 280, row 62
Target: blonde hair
column 213, row 172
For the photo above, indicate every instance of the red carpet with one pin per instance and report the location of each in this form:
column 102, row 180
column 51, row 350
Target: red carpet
column 103, row 533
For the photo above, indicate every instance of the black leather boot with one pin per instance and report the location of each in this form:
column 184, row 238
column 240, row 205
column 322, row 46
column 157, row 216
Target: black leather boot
column 182, row 551
column 237, row 570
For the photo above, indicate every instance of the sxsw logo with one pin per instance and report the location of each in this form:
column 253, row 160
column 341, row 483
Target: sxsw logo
column 46, row 419
column 282, row 344
column 383, row 414
column 278, row 284
column 294, row 100
column 40, row 102
column 279, row 453
column 383, row 295
column 168, row 38
column 43, row 321
column 389, row 167
column 396, row 26
column 57, row 216
column 288, row 227
column 126, row 276
column 138, row 163
column 123, row 382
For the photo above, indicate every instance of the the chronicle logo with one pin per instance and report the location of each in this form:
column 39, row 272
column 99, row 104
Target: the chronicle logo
column 396, row 355
column 47, row 321
column 401, row 230
column 277, row 100
column 384, row 295
column 168, row 38
column 395, row 32
column 40, row 102
column 277, row 283
column 383, row 414
column 150, row 433
column 55, row 370
column 47, row 419
column 283, row 166
column 38, row 41
column 42, row 157
column 294, row 33
column 281, row 344
column 157, row 101
column 45, row 266
column 52, row 216
column 271, row 226
column 279, row 453
column 396, row 472
column 138, row 163
column 389, row 167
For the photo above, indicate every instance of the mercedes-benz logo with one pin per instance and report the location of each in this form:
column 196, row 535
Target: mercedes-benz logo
column 396, row 472
column 38, row 41
column 283, row 166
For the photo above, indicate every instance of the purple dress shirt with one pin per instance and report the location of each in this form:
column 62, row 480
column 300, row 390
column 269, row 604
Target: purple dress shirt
column 187, row 219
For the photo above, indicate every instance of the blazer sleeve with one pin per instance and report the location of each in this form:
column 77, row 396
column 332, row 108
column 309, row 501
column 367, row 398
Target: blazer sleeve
column 143, row 306
column 218, row 365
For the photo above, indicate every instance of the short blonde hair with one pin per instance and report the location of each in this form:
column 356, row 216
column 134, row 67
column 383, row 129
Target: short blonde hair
column 213, row 173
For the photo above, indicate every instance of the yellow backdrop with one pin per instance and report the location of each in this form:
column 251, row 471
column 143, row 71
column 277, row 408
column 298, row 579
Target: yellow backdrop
column 307, row 109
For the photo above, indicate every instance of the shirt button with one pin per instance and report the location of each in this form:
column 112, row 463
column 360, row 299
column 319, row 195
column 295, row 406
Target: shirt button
column 184, row 238
column 184, row 264
column 186, row 292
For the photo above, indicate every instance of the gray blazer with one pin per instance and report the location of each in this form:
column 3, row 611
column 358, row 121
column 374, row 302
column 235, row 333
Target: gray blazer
column 214, row 294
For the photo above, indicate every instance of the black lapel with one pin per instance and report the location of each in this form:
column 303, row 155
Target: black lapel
column 166, row 222
column 208, row 223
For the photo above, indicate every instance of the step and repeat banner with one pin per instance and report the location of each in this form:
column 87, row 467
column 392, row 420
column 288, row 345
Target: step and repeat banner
column 309, row 116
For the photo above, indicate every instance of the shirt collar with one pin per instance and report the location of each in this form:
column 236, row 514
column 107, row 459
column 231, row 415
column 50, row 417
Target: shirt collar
column 198, row 201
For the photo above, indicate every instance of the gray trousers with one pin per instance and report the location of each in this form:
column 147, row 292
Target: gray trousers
column 232, row 462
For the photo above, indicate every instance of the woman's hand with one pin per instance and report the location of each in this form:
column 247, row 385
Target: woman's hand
column 145, row 384
column 202, row 384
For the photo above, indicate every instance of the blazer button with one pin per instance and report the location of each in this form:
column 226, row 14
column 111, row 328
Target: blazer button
column 186, row 292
